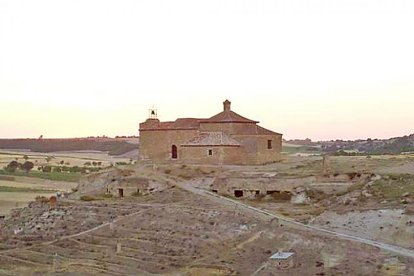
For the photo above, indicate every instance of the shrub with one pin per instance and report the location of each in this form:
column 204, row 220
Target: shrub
column 12, row 166
column 136, row 194
column 47, row 169
column 27, row 166
column 87, row 198
column 42, row 199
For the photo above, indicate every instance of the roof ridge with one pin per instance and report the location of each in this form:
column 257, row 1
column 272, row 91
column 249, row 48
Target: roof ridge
column 228, row 116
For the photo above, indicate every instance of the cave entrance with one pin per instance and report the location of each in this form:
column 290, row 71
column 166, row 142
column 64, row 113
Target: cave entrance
column 238, row 193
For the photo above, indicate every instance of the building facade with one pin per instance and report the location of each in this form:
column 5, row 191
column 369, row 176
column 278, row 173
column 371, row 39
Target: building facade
column 226, row 138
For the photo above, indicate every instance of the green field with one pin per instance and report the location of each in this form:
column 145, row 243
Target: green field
column 298, row 149
column 55, row 176
column 17, row 192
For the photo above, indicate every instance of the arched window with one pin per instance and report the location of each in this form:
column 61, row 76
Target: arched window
column 174, row 153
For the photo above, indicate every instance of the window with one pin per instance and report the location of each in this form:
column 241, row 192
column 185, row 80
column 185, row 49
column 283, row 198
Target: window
column 174, row 153
column 269, row 144
column 210, row 152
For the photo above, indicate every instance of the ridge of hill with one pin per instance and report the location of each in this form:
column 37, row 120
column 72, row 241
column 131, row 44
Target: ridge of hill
column 114, row 146
column 395, row 145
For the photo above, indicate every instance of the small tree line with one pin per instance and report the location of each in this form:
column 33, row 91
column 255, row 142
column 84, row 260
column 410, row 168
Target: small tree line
column 14, row 165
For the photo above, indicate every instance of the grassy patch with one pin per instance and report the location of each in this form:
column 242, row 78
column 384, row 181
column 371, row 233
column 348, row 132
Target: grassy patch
column 95, row 197
column 301, row 149
column 88, row 198
column 316, row 195
column 6, row 189
column 310, row 168
column 393, row 186
column 7, row 178
column 55, row 176
column 355, row 187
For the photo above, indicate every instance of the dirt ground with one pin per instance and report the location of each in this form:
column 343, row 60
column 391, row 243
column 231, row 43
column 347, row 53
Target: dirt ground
column 174, row 232
column 390, row 225
column 177, row 232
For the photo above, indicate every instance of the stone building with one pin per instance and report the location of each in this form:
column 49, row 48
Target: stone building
column 134, row 186
column 226, row 138
column 282, row 260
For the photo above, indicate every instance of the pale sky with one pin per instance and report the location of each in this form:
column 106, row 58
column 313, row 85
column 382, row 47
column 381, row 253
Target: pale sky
column 321, row 69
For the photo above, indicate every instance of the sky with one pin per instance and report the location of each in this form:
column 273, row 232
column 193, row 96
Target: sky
column 319, row 69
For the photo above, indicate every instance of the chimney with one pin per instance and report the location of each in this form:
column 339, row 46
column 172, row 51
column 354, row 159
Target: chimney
column 227, row 105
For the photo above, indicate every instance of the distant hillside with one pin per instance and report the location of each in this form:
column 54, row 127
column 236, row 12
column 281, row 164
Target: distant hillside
column 110, row 145
column 396, row 145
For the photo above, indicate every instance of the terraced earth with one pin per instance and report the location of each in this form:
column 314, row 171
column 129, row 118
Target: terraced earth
column 173, row 232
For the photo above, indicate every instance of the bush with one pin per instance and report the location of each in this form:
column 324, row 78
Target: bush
column 75, row 169
column 47, row 169
column 42, row 199
column 12, row 166
column 27, row 166
column 87, row 198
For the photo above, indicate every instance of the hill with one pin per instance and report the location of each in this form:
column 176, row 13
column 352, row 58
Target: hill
column 114, row 146
column 396, row 145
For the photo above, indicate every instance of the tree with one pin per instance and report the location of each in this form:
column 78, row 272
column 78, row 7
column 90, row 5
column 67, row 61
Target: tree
column 12, row 166
column 25, row 157
column 47, row 169
column 27, row 166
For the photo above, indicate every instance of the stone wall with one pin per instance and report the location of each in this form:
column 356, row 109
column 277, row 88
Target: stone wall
column 221, row 155
column 255, row 148
column 156, row 144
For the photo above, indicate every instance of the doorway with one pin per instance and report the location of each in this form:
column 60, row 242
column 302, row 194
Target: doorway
column 121, row 192
column 174, row 153
column 238, row 193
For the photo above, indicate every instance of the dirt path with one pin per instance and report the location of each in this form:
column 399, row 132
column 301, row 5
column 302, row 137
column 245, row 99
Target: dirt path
column 384, row 246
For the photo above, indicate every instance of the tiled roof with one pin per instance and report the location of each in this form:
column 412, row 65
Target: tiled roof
column 212, row 139
column 228, row 117
column 264, row 131
column 182, row 123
